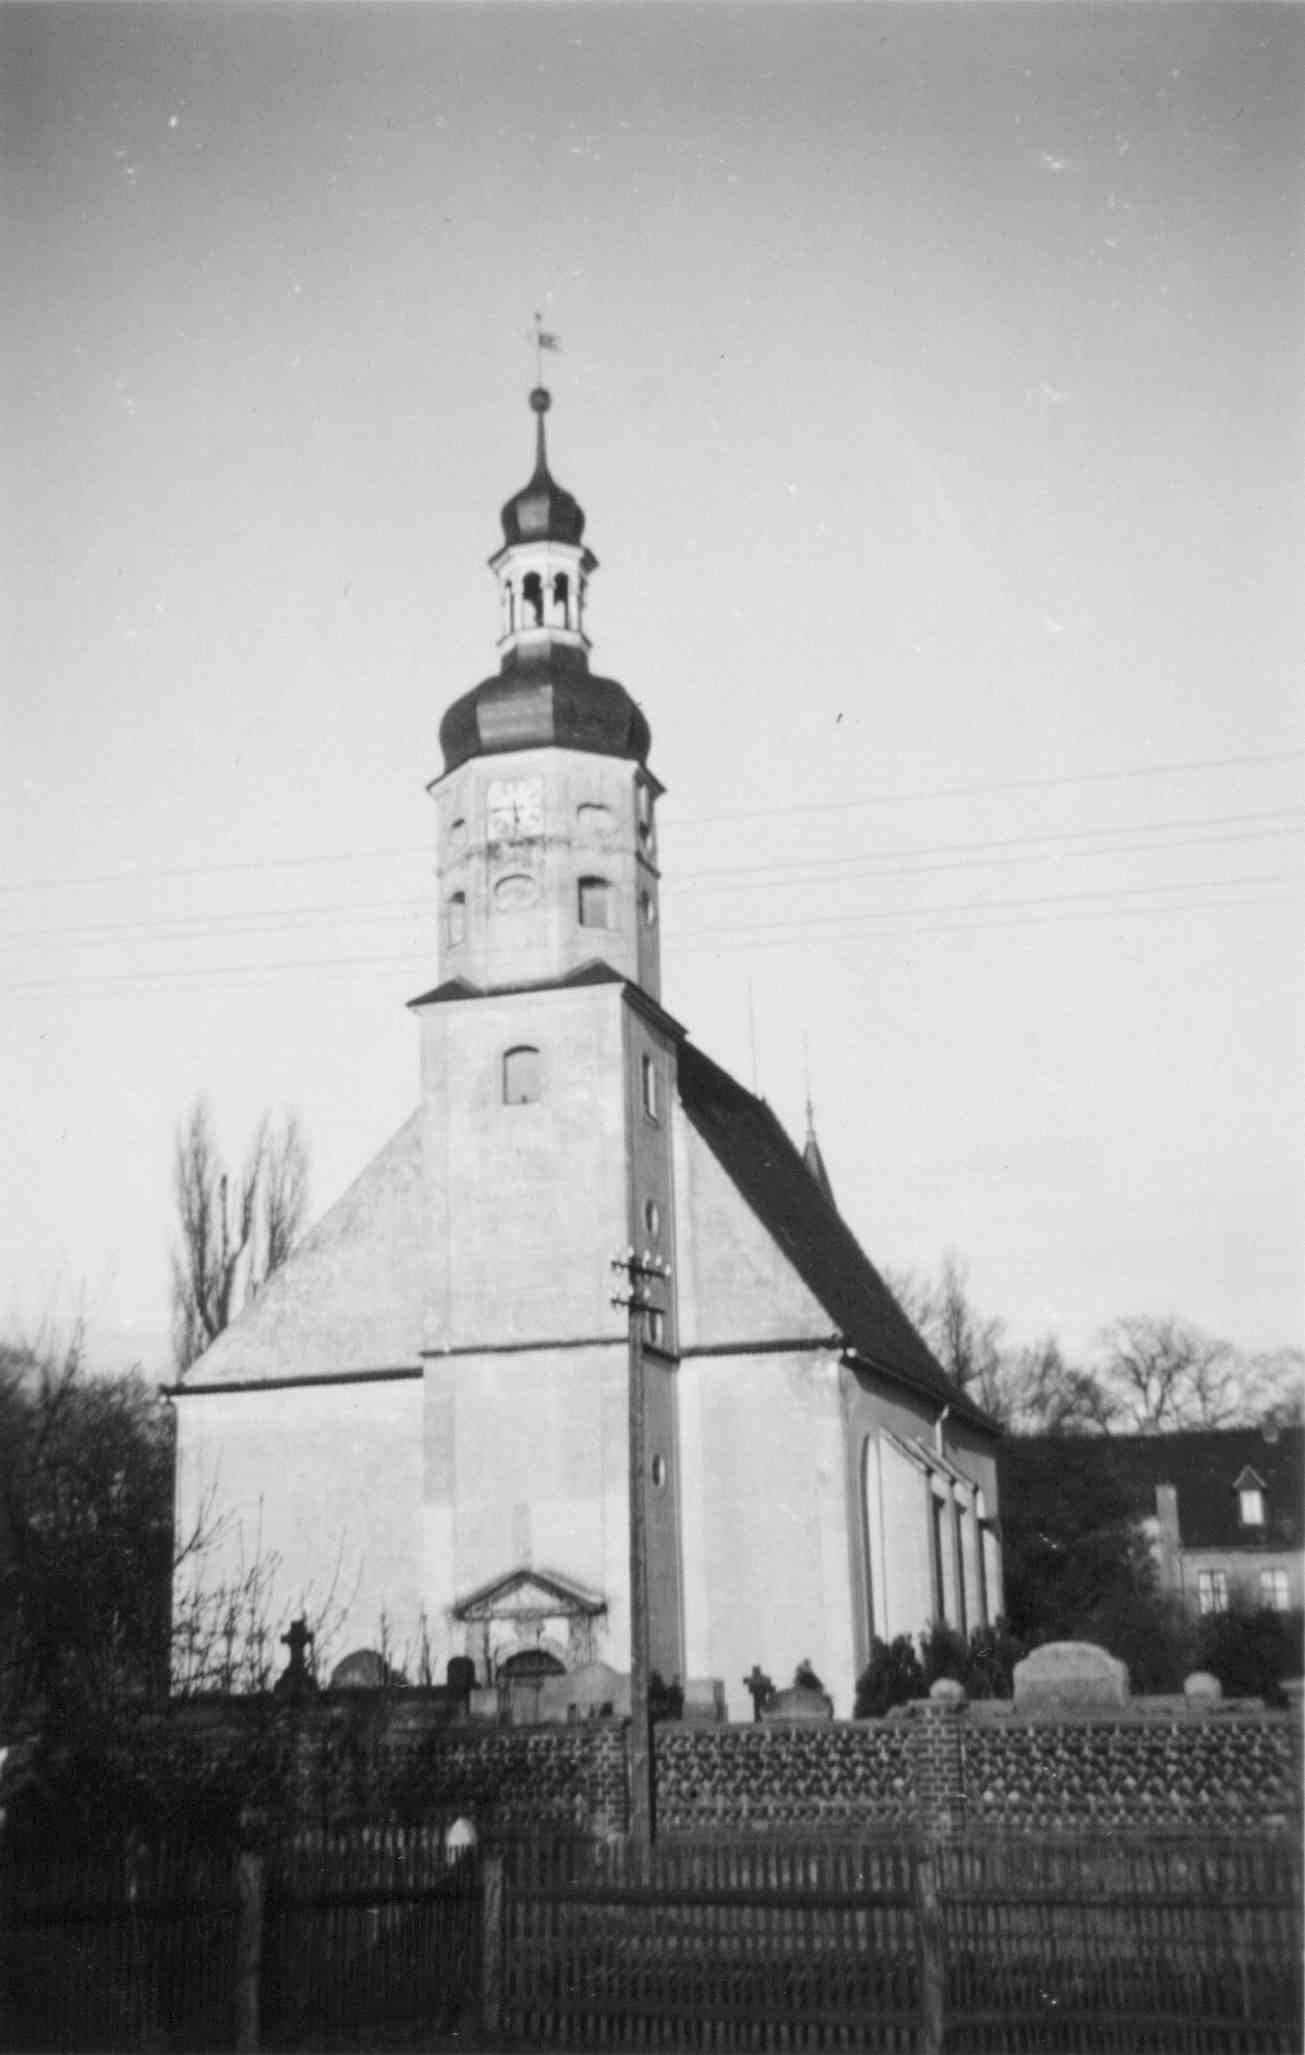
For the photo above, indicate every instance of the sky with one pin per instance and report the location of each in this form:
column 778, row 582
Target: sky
column 931, row 379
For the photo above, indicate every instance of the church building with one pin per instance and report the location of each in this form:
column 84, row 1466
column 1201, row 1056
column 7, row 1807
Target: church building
column 422, row 1418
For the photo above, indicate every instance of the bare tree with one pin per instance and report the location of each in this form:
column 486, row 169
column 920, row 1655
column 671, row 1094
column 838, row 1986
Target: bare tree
column 1166, row 1374
column 233, row 1235
column 966, row 1342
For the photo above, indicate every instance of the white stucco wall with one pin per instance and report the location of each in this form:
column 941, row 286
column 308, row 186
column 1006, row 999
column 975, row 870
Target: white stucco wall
column 764, row 1522
column 321, row 1486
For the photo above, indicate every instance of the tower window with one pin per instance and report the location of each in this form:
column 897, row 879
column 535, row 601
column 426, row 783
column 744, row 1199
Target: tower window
column 520, row 1076
column 648, row 1070
column 648, row 909
column 595, row 903
column 457, row 919
column 656, row 1327
column 532, row 596
column 644, row 804
column 562, row 599
column 652, row 1217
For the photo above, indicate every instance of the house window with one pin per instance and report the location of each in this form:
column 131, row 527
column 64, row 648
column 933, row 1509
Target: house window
column 1273, row 1590
column 595, row 903
column 1250, row 1501
column 1212, row 1591
column 520, row 1076
column 457, row 919
column 650, row 1100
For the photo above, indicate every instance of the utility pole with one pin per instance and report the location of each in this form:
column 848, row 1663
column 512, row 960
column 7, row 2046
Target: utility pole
column 641, row 1272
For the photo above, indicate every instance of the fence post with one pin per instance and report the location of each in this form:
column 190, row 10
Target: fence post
column 491, row 1943
column 932, row 1952
column 249, row 1947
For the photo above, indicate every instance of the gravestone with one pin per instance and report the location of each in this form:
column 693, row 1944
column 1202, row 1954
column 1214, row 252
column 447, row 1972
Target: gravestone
column 592, row 1691
column 363, row 1669
column 799, row 1702
column 704, row 1699
column 1202, row 1687
column 1069, row 1676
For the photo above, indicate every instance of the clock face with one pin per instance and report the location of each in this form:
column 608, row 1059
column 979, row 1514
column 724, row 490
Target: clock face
column 515, row 808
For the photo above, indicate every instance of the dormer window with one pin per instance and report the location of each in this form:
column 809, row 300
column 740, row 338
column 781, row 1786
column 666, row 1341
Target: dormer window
column 1250, row 1498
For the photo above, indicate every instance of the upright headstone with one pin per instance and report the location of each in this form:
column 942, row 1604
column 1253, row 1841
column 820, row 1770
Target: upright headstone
column 1070, row 1676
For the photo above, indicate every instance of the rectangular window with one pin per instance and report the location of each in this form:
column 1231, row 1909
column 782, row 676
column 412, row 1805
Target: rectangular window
column 520, row 1076
column 1251, row 1500
column 1212, row 1591
column 656, row 1328
column 595, row 903
column 1273, row 1590
column 650, row 1099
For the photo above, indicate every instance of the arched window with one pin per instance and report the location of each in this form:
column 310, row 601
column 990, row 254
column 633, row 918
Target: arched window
column 532, row 596
column 520, row 1076
column 457, row 919
column 650, row 1101
column 595, row 903
column 562, row 599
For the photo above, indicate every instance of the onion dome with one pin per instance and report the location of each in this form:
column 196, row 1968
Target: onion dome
column 537, row 705
column 542, row 511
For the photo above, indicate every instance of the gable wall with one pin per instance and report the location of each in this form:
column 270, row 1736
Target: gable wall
column 350, row 1295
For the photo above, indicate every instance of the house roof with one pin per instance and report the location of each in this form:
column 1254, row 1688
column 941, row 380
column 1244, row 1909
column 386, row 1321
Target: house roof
column 756, row 1154
column 1204, row 1465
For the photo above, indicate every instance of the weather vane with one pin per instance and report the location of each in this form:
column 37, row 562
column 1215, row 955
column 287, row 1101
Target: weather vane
column 542, row 340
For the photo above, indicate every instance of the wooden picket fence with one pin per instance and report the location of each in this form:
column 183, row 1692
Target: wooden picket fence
column 366, row 1937
column 1010, row 1945
column 373, row 1938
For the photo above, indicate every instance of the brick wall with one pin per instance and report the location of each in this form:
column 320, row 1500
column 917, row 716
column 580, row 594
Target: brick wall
column 946, row 1766
column 940, row 1764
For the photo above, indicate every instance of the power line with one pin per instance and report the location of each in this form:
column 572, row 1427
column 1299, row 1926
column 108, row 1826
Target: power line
column 183, row 928
column 715, row 940
column 135, row 874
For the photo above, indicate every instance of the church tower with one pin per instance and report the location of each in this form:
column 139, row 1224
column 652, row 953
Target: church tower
column 548, row 1076
column 546, row 836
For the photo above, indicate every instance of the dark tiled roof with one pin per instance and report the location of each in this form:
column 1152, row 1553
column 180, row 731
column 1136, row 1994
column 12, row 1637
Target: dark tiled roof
column 756, row 1154
column 1203, row 1466
column 549, row 701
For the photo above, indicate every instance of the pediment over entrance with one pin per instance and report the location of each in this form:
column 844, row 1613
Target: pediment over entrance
column 527, row 1597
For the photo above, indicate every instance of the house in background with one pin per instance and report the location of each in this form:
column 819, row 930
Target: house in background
column 426, row 1410
column 1223, row 1508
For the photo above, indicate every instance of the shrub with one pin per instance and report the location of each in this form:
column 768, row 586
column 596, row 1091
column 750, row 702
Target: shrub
column 891, row 1677
column 1251, row 1651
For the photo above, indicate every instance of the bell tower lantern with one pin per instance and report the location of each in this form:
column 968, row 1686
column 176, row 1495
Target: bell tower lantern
column 543, row 567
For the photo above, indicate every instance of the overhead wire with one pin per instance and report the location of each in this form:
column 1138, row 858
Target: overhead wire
column 920, row 795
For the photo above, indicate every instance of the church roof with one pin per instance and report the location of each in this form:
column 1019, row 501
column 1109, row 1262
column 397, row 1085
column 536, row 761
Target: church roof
column 757, row 1155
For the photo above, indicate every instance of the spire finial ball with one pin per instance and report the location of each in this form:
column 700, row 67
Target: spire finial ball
column 541, row 399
